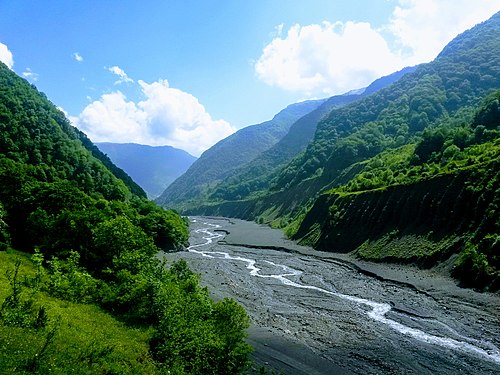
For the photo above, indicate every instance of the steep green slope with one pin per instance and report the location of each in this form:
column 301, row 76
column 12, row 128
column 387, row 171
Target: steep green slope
column 153, row 168
column 385, row 159
column 255, row 177
column 229, row 154
column 48, row 167
column 92, row 239
column 458, row 78
column 423, row 202
column 33, row 131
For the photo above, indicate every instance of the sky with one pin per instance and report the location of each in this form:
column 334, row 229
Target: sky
column 188, row 73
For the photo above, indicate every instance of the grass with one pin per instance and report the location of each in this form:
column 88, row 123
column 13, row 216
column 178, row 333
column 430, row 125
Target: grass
column 78, row 339
column 407, row 248
column 393, row 168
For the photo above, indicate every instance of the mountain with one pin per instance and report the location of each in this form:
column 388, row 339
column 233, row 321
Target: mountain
column 423, row 202
column 34, row 132
column 153, row 168
column 250, row 165
column 255, row 176
column 223, row 158
column 419, row 133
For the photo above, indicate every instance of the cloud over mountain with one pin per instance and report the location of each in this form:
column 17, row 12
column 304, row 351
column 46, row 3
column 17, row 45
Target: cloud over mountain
column 166, row 116
column 30, row 75
column 326, row 59
column 331, row 58
column 6, row 56
column 424, row 27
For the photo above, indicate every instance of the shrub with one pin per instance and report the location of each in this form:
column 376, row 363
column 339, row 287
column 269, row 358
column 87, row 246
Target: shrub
column 67, row 280
column 472, row 266
column 19, row 311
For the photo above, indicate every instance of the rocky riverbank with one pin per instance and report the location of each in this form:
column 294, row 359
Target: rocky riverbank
column 320, row 322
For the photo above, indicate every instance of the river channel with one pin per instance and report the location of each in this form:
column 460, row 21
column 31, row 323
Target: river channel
column 315, row 313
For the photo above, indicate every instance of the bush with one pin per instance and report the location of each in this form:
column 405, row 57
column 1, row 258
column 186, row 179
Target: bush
column 67, row 280
column 194, row 334
column 472, row 267
column 19, row 311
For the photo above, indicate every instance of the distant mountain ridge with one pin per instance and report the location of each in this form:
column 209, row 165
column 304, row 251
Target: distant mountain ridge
column 154, row 168
column 254, row 172
column 223, row 158
column 258, row 174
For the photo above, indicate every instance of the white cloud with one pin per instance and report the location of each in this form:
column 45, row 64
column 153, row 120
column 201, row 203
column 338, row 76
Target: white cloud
column 331, row 58
column 166, row 116
column 123, row 77
column 279, row 29
column 6, row 56
column 30, row 75
column 424, row 27
column 77, row 57
column 326, row 59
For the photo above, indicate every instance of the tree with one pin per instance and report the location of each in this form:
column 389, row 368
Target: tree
column 488, row 114
column 119, row 243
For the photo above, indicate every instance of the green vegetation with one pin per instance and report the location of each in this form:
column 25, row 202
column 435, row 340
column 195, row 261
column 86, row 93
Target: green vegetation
column 93, row 297
column 74, row 337
column 55, row 215
column 446, row 148
column 45, row 327
column 407, row 248
column 456, row 157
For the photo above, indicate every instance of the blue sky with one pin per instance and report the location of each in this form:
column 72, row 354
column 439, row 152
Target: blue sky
column 188, row 73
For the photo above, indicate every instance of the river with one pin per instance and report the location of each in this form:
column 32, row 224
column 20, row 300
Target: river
column 313, row 314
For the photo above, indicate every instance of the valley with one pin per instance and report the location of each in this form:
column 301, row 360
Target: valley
column 147, row 228
column 406, row 172
column 317, row 313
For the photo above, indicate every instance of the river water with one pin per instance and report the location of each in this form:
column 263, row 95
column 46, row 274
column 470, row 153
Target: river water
column 317, row 316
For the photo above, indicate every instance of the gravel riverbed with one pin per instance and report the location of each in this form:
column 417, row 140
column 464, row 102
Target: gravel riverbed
column 322, row 313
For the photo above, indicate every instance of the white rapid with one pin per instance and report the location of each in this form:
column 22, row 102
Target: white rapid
column 378, row 310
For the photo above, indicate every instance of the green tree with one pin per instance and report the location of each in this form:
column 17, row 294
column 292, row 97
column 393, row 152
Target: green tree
column 121, row 245
column 488, row 114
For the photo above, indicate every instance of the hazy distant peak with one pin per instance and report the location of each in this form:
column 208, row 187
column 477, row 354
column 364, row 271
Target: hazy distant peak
column 355, row 92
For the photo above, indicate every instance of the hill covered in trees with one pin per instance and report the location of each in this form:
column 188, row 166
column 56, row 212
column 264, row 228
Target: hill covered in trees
column 431, row 125
column 228, row 155
column 154, row 168
column 81, row 288
column 254, row 177
column 422, row 202
column 245, row 164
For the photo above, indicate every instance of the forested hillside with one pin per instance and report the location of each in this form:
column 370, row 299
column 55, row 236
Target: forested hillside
column 256, row 176
column 425, row 125
column 423, row 202
column 222, row 159
column 153, row 168
column 80, row 279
